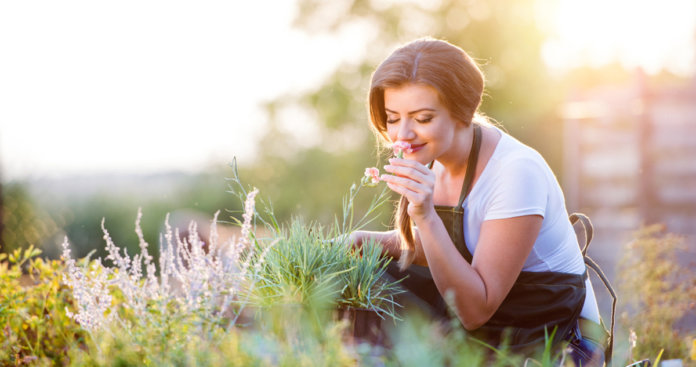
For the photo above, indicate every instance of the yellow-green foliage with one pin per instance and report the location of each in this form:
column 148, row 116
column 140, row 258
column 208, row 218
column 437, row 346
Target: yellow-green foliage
column 36, row 328
column 25, row 223
column 234, row 347
column 658, row 290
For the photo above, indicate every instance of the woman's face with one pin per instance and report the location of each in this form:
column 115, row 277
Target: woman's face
column 416, row 115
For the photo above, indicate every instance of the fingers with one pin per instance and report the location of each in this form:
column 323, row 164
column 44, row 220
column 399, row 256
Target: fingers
column 411, row 164
column 411, row 170
column 406, row 182
column 411, row 179
column 402, row 190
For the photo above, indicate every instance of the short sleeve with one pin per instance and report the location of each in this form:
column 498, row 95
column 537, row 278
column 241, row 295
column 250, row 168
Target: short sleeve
column 520, row 188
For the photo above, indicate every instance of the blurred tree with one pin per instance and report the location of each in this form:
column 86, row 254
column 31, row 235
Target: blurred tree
column 24, row 222
column 79, row 215
column 503, row 36
column 2, row 215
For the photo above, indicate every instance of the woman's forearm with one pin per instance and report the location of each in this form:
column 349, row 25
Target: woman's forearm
column 479, row 288
column 389, row 241
column 452, row 273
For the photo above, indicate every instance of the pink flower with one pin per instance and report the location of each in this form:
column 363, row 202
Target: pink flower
column 400, row 147
column 371, row 177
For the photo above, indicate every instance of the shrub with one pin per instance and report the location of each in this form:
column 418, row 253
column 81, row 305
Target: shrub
column 658, row 290
column 33, row 302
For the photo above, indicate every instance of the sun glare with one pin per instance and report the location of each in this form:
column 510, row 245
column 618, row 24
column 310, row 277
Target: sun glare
column 653, row 35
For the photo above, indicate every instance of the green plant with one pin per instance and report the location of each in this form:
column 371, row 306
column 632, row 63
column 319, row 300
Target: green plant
column 304, row 267
column 659, row 291
column 419, row 341
column 33, row 301
column 309, row 265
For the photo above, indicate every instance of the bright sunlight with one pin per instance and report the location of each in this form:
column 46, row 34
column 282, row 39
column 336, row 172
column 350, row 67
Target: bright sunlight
column 647, row 34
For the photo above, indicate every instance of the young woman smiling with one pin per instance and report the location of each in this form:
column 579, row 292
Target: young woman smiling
column 482, row 219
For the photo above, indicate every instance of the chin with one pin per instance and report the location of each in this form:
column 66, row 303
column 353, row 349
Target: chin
column 420, row 158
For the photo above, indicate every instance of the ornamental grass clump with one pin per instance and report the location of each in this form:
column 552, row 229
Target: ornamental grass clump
column 306, row 268
column 313, row 267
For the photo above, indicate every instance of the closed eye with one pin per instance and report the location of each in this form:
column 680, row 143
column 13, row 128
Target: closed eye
column 425, row 120
column 391, row 121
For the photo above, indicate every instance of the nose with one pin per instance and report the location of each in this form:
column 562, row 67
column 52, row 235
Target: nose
column 405, row 131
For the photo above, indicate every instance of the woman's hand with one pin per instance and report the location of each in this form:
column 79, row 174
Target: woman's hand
column 416, row 182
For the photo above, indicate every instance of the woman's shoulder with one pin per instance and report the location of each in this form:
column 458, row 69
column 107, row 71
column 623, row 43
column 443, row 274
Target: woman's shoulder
column 511, row 151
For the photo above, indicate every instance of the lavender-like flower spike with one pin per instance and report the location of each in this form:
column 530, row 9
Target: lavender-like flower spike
column 191, row 278
column 90, row 291
column 248, row 215
column 144, row 254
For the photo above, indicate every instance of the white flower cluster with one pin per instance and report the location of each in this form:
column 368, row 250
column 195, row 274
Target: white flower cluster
column 192, row 278
column 90, row 290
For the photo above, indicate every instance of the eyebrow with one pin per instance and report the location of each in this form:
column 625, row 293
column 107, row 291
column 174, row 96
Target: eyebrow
column 413, row 112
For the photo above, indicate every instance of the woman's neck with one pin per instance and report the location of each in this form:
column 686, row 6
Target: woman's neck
column 455, row 160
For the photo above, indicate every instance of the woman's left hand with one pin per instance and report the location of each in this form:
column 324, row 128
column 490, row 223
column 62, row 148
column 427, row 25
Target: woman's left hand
column 415, row 181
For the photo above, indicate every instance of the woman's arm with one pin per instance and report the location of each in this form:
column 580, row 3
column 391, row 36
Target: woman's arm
column 478, row 289
column 390, row 242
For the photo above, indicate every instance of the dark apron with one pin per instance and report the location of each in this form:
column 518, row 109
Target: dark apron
column 538, row 302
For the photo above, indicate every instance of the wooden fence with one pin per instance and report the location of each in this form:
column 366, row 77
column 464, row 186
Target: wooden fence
column 629, row 160
column 630, row 157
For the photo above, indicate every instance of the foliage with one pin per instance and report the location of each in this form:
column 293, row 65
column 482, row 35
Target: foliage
column 22, row 221
column 309, row 265
column 491, row 31
column 301, row 183
column 659, row 290
column 232, row 347
column 135, row 318
column 80, row 214
column 192, row 314
column 33, row 301
column 197, row 283
column 520, row 93
column 306, row 268
column 285, row 338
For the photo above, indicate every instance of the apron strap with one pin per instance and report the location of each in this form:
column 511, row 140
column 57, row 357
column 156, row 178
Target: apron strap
column 610, row 347
column 471, row 164
column 589, row 232
column 586, row 226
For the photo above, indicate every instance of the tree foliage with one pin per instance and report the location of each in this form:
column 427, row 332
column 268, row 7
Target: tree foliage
column 503, row 36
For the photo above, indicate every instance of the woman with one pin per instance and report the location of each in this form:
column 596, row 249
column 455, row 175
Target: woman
column 481, row 210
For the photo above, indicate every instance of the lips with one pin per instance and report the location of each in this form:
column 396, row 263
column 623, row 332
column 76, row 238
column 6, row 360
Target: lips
column 416, row 147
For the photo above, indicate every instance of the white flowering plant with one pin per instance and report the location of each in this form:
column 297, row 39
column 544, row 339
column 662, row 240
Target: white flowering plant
column 198, row 283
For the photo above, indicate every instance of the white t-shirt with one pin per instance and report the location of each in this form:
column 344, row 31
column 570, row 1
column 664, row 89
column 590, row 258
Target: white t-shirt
column 517, row 181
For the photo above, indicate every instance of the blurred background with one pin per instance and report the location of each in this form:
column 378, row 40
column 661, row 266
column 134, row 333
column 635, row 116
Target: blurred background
column 106, row 107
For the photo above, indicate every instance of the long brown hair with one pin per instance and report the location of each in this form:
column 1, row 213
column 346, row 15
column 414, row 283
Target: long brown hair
column 459, row 83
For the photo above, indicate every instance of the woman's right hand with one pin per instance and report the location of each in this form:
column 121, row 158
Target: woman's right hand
column 356, row 239
column 416, row 182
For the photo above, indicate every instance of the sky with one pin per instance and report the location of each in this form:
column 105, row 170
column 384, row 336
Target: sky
column 138, row 86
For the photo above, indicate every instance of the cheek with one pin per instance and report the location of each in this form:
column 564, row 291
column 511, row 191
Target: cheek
column 392, row 132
